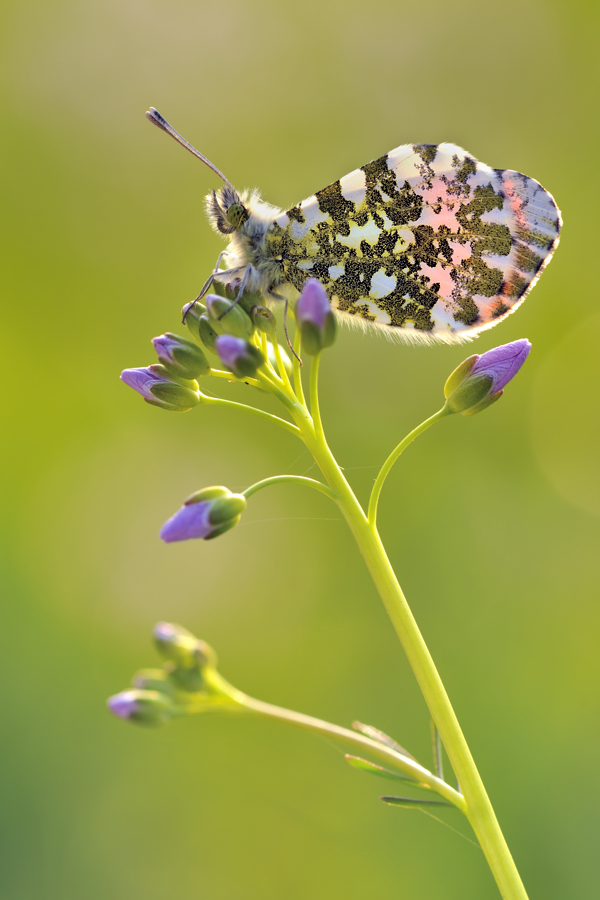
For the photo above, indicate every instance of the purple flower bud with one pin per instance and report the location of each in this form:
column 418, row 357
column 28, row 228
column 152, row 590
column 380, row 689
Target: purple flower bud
column 205, row 514
column 313, row 303
column 480, row 380
column 181, row 358
column 157, row 387
column 238, row 355
column 188, row 522
column 123, row 705
column 180, row 646
column 315, row 318
column 502, row 363
column 142, row 707
column 141, row 380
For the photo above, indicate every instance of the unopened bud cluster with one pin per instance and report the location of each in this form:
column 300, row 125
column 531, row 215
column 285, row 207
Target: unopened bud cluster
column 158, row 695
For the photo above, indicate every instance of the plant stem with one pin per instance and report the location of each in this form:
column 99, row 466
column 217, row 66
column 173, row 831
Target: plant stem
column 292, row 479
column 385, row 754
column 385, row 469
column 478, row 808
column 280, row 365
column 231, row 404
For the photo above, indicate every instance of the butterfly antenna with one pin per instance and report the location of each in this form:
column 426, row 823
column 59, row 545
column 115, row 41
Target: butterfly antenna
column 155, row 117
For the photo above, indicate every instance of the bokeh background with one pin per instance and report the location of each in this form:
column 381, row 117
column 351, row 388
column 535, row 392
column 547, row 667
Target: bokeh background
column 493, row 522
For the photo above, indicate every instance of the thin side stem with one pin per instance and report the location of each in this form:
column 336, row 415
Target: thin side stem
column 314, row 396
column 291, row 479
column 386, row 467
column 335, row 732
column 297, row 368
column 280, row 365
column 288, row 400
column 269, row 417
column 229, row 376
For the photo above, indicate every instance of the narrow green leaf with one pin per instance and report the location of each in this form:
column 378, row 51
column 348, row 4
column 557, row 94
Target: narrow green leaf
column 357, row 763
column 411, row 802
column 437, row 751
column 376, row 735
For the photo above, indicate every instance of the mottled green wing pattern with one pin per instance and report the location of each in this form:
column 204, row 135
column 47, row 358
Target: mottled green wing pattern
column 425, row 241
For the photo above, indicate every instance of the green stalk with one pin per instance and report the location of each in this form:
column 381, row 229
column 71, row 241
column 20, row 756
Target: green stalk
column 253, row 410
column 478, row 809
column 385, row 469
column 396, row 761
column 291, row 479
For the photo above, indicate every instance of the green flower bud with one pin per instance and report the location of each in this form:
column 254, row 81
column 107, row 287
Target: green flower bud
column 469, row 393
column 160, row 388
column 231, row 289
column 207, row 493
column 458, row 375
column 223, row 290
column 191, row 316
column 143, row 707
column 480, row 380
column 180, row 357
column 176, row 396
column 179, row 646
column 207, row 333
column 189, row 680
column 205, row 514
column 239, row 356
column 264, row 319
column 483, row 404
column 315, row 318
column 226, row 508
column 153, row 680
column 227, row 318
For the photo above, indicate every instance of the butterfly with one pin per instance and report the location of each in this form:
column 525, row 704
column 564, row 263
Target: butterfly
column 425, row 242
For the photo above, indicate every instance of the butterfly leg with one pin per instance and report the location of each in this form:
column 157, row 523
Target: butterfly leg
column 241, row 289
column 216, row 271
column 286, row 302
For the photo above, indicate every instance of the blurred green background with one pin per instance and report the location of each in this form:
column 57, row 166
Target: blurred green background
column 492, row 522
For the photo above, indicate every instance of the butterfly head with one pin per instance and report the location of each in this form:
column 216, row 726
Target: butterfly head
column 226, row 210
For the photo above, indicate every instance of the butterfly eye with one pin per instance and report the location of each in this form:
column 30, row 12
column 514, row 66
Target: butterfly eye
column 237, row 214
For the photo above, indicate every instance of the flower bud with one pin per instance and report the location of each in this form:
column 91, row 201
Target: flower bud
column 142, row 707
column 190, row 314
column 160, row 388
column 264, row 319
column 315, row 318
column 239, row 356
column 178, row 645
column 180, row 357
column 189, row 680
column 231, row 291
column 205, row 514
column 207, row 333
column 227, row 318
column 480, row 380
column 153, row 680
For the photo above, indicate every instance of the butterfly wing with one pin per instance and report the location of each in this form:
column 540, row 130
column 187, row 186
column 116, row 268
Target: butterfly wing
column 425, row 241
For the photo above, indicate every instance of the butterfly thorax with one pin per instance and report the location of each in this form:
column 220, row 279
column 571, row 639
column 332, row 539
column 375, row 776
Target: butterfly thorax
column 246, row 220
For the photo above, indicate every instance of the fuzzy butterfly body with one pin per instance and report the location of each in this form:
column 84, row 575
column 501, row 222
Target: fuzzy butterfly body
column 425, row 242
